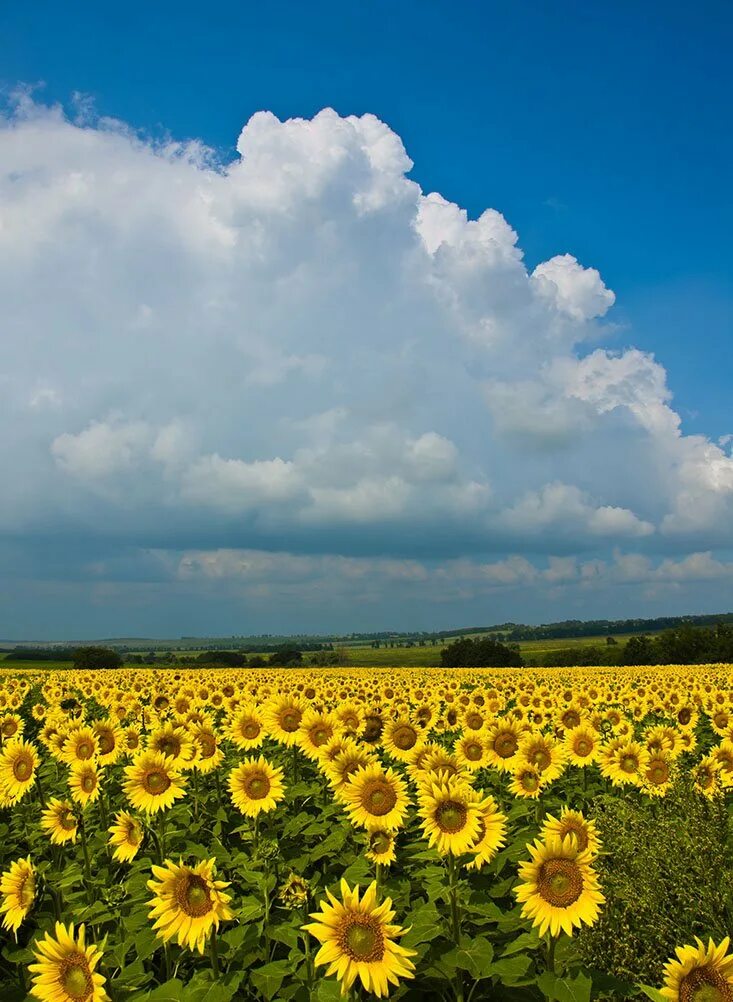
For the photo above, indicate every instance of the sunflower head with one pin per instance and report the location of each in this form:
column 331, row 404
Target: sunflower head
column 65, row 968
column 700, row 973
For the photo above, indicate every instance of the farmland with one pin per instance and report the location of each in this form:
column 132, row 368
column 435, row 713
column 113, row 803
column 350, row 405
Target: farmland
column 303, row 833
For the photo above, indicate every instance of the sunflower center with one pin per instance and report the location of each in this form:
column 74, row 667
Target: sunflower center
column 258, row 786
column 290, row 720
column 319, row 736
column 170, row 746
column 22, row 769
column 560, row 882
column 529, row 781
column 76, row 979
column 705, row 984
column 378, row 798
column 133, row 834
column 251, row 730
column 505, row 745
column 541, row 758
column 106, row 744
column 684, row 716
column 362, row 940
column 404, row 737
column 474, row 721
column 192, row 895
column 207, row 745
column 156, row 782
column 583, row 747
column 571, row 718
column 87, row 783
column 451, row 816
column 473, row 752
column 67, row 821
column 372, row 729
column 380, row 842
column 27, row 891
column 581, row 836
column 629, row 763
column 84, row 750
column 9, row 728
column 658, row 773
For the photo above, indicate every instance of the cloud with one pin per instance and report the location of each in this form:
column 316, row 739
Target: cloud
column 300, row 350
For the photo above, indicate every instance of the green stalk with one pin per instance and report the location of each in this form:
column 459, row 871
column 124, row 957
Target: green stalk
column 455, row 917
column 214, row 955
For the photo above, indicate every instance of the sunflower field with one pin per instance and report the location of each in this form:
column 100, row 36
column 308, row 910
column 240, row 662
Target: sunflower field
column 451, row 834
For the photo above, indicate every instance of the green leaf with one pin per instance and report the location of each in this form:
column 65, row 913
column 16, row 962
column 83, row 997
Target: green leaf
column 511, row 970
column 425, row 923
column 171, row 991
column 653, row 993
column 474, row 956
column 328, row 991
column 527, row 941
column 268, row 978
column 565, row 989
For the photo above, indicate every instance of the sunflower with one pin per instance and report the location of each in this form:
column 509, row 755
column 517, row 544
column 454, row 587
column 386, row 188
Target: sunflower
column 527, row 781
column 358, row 941
column 256, row 787
column 208, row 753
column 11, row 726
column 81, row 745
column 502, row 741
column 283, row 718
column 247, row 729
column 59, row 821
column 573, row 823
column 624, row 762
column 315, row 731
column 450, row 812
column 376, row 798
column 152, row 783
column 543, row 752
column 17, row 769
column 582, row 745
column 706, row 775
column 345, row 765
column 173, row 742
column 84, row 782
column 471, row 751
column 700, row 972
column 381, row 846
column 559, row 888
column 109, row 741
column 18, row 888
column 126, row 835
column 400, row 737
column 65, row 968
column 188, row 902
column 658, row 773
column 491, row 836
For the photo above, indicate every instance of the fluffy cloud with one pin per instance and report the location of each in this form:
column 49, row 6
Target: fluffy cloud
column 301, row 351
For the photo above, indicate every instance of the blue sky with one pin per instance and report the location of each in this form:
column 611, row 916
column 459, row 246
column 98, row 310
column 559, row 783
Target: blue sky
column 596, row 131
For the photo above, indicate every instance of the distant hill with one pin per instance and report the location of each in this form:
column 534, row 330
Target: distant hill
column 507, row 632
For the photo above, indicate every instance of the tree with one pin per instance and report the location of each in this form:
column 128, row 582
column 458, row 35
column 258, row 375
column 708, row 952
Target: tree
column 94, row 658
column 286, row 656
column 229, row 658
column 483, row 653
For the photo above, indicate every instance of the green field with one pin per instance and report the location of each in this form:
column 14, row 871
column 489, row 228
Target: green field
column 424, row 657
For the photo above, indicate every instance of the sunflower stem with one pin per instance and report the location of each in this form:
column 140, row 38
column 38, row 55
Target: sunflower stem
column 39, row 784
column 85, row 849
column 167, row 960
column 214, row 955
column 195, row 793
column 455, row 917
column 551, row 944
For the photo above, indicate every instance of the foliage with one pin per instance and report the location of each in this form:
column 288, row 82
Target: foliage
column 667, row 873
column 484, row 652
column 93, row 658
